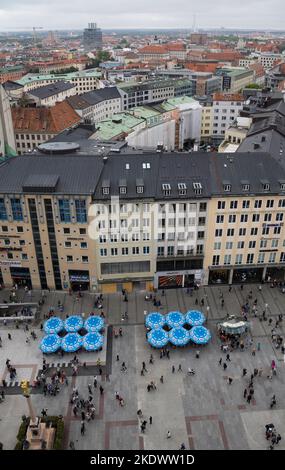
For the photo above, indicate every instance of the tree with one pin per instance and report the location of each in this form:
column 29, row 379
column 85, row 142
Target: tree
column 254, row 86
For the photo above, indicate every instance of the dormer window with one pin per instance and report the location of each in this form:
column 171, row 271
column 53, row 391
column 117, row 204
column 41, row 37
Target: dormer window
column 227, row 188
column 123, row 189
column 245, row 187
column 182, row 189
column 123, row 186
column 166, row 188
column 282, row 185
column 197, row 188
column 140, row 189
column 146, row 166
column 106, row 187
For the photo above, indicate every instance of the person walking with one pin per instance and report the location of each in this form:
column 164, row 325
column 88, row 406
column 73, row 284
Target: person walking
column 197, row 354
column 161, row 379
column 95, row 381
column 82, row 429
column 220, row 361
column 244, row 372
column 249, row 397
column 101, row 390
column 225, row 366
column 245, row 393
column 9, row 336
column 90, row 389
column 71, row 445
column 228, row 358
column 173, row 369
column 230, row 380
column 168, row 435
column 180, row 368
column 150, row 420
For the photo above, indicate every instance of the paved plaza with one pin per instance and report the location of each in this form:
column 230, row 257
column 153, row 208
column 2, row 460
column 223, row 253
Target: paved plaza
column 202, row 411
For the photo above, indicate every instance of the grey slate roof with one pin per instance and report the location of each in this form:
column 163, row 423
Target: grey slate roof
column 93, row 97
column 51, row 90
column 68, row 174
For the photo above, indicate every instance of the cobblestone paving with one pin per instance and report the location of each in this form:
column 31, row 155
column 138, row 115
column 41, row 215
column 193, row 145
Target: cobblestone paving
column 202, row 411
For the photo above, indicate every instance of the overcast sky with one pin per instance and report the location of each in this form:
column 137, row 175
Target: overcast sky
column 68, row 14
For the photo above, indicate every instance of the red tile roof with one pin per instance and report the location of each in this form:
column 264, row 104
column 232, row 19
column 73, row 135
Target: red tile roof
column 153, row 49
column 44, row 120
column 228, row 97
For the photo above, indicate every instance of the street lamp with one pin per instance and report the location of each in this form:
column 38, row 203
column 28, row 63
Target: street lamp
column 207, row 315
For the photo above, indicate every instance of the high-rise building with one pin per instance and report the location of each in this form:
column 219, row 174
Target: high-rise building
column 92, row 37
column 7, row 139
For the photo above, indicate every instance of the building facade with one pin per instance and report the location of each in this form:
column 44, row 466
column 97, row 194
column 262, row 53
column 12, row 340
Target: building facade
column 140, row 221
column 92, row 37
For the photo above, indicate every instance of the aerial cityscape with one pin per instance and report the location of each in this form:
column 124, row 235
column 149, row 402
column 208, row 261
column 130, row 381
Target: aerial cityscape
column 142, row 236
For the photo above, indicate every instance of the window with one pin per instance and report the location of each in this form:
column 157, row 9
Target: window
column 64, row 210
column 270, row 203
column 123, row 189
column 182, row 189
column 22, row 242
column 249, row 259
column 244, row 218
column 227, row 187
column 10, row 255
column 85, row 259
column 146, row 250
column 106, row 190
column 202, row 221
column 265, row 231
column 221, row 204
column 140, row 189
column 232, row 218
column 266, row 186
column 277, row 230
column 69, row 259
column 83, row 245
column 66, row 231
column 170, row 250
column 274, row 243
column 252, row 244
column 16, row 209
column 233, row 204
column 245, row 187
column 242, row 232
column 216, row 260
column 230, row 232
column 80, row 207
column 281, row 203
column 3, row 212
column 124, row 237
column 114, row 251
column 279, row 216
column 253, row 231
column 197, row 188
column 220, row 219
column 227, row 259
column 160, row 251
column 240, row 245
column 263, row 243
column 67, row 244
column 272, row 258
column 261, row 257
column 282, row 257
column 255, row 217
column 24, row 256
column 82, row 231
column 203, row 206
column 200, row 235
column 113, row 238
column 19, row 229
column 267, row 217
column 229, row 245
column 245, row 204
column 125, row 251
column 218, row 232
column 238, row 259
column 166, row 188
column 258, row 204
column 135, row 237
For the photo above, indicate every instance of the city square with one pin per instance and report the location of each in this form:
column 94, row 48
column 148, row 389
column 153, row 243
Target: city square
column 202, row 411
